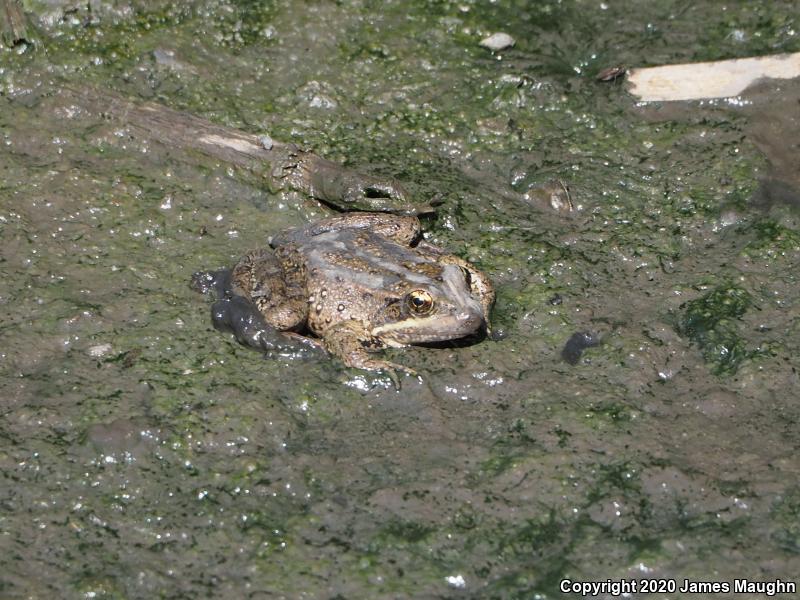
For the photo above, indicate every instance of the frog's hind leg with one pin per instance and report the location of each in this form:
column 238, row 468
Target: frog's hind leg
column 275, row 284
column 266, row 302
column 403, row 230
column 230, row 312
column 239, row 316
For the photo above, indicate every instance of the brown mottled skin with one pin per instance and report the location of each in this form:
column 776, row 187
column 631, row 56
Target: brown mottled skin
column 360, row 284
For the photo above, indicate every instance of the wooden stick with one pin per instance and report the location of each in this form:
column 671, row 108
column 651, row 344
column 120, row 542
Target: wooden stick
column 13, row 24
column 279, row 166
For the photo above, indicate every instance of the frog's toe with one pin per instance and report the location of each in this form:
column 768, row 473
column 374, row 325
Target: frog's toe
column 207, row 281
column 306, row 342
column 391, row 369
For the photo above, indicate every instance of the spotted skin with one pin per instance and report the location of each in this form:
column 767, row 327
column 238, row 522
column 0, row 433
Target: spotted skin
column 362, row 282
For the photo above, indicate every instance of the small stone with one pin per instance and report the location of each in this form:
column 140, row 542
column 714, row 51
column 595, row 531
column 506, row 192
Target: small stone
column 456, row 581
column 100, row 350
column 266, row 142
column 498, row 41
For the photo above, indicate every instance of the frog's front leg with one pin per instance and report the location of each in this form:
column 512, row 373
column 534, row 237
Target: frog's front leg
column 399, row 229
column 348, row 341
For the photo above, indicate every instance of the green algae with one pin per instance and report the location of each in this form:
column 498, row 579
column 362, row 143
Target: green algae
column 772, row 240
column 711, row 322
column 786, row 512
column 478, row 471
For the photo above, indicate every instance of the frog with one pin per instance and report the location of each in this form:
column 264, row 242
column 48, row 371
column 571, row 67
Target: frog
column 352, row 284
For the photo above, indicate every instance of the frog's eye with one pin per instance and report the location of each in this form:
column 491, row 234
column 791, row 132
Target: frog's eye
column 420, row 302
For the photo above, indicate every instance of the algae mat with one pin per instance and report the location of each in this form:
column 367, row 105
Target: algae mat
column 146, row 455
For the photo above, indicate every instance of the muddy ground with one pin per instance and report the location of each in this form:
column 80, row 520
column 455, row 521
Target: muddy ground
column 146, row 455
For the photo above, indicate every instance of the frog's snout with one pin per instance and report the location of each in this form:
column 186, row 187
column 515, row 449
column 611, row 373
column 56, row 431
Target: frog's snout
column 471, row 321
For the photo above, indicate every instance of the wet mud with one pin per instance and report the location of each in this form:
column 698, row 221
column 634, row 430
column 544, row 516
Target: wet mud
column 147, row 455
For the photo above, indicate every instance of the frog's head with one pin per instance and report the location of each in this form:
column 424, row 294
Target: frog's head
column 435, row 310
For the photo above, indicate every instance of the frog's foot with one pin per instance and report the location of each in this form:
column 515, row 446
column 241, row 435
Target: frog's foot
column 348, row 341
column 391, row 369
column 273, row 341
column 308, row 342
column 239, row 316
column 204, row 282
column 346, row 189
column 363, row 192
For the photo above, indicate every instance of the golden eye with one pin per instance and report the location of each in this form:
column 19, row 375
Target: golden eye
column 420, row 302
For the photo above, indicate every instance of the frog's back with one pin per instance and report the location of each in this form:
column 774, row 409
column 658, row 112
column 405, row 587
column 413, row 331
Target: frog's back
column 368, row 261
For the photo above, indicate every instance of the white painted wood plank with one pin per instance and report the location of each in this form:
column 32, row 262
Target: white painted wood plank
column 719, row 79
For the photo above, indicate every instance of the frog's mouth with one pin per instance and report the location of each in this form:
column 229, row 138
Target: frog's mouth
column 436, row 328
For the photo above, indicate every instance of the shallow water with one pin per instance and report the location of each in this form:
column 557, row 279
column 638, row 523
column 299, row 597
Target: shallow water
column 146, row 455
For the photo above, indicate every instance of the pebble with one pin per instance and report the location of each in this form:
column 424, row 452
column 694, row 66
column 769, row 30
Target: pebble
column 266, row 142
column 498, row 41
column 100, row 350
